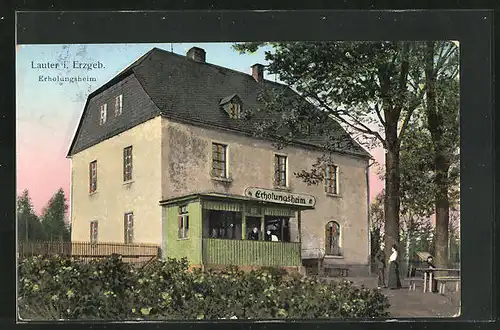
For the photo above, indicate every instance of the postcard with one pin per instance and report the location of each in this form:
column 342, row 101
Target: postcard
column 238, row 180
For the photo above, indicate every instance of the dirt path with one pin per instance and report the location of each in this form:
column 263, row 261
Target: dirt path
column 406, row 303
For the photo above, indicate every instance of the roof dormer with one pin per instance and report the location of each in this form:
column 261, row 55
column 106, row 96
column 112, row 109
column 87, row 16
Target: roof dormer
column 232, row 105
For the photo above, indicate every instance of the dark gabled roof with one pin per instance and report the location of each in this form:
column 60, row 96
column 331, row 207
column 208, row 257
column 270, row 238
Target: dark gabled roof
column 192, row 91
column 227, row 99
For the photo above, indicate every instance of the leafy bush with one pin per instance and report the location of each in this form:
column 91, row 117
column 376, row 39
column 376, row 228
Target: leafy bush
column 57, row 288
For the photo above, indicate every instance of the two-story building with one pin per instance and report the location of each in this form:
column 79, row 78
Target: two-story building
column 161, row 155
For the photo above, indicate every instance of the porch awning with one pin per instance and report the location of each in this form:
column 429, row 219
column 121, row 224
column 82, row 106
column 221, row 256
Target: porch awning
column 214, row 196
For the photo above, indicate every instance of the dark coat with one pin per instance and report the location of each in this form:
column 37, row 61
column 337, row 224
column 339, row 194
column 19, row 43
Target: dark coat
column 253, row 236
column 434, row 282
column 380, row 259
column 394, row 282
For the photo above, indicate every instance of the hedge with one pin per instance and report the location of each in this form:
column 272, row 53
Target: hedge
column 59, row 288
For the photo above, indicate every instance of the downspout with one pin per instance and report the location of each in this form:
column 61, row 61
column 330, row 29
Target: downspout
column 367, row 173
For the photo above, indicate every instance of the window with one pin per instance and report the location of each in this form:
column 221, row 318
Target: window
column 280, row 171
column 234, row 110
column 219, row 160
column 128, row 226
column 104, row 110
column 93, row 176
column 277, row 226
column 305, row 128
column 331, row 179
column 224, row 224
column 93, row 231
column 118, row 105
column 232, row 106
column 332, row 239
column 127, row 164
column 183, row 222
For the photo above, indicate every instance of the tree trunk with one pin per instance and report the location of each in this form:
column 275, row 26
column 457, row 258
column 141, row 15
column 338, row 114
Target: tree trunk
column 441, row 161
column 409, row 236
column 442, row 212
column 392, row 186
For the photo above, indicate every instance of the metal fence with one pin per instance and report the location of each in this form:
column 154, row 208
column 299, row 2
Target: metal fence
column 135, row 253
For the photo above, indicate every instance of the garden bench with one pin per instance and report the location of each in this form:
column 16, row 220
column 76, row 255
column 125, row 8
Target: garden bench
column 338, row 271
column 442, row 280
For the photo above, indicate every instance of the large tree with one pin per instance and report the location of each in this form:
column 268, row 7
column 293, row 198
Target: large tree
column 430, row 149
column 29, row 227
column 54, row 218
column 442, row 119
column 371, row 88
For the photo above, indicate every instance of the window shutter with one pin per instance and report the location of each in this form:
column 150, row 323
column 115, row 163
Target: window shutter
column 125, row 164
column 180, row 221
column 125, row 226
column 131, row 228
column 131, row 163
column 276, row 170
column 90, row 177
column 325, row 181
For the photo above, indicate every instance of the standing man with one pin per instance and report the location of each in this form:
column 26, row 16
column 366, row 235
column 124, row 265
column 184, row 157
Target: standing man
column 430, row 265
column 380, row 259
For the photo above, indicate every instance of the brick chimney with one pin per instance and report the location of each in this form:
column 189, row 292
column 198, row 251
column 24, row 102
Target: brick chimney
column 196, row 54
column 258, row 72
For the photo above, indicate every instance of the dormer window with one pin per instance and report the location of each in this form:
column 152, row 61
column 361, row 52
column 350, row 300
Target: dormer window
column 234, row 111
column 118, row 105
column 104, row 110
column 232, row 105
column 305, row 128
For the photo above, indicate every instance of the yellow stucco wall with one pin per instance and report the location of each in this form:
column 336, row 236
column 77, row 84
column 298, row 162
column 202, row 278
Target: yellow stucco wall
column 113, row 198
column 172, row 159
column 186, row 154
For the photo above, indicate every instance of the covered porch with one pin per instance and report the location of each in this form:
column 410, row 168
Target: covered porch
column 237, row 230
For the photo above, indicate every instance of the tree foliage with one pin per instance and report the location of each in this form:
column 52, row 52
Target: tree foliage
column 54, row 218
column 28, row 223
column 430, row 149
column 418, row 173
column 371, row 88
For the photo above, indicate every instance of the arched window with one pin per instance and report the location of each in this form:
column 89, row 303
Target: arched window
column 332, row 239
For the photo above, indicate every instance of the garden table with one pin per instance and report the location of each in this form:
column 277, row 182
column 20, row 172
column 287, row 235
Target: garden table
column 430, row 271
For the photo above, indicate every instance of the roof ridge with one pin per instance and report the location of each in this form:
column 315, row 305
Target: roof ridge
column 219, row 67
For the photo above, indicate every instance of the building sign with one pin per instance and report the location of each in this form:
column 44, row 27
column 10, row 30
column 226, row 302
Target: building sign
column 282, row 197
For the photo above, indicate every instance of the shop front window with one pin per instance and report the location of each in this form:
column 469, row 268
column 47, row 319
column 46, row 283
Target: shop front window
column 277, row 229
column 224, row 224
